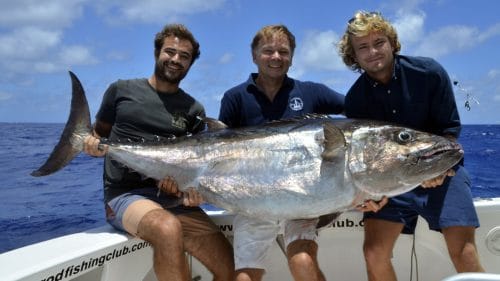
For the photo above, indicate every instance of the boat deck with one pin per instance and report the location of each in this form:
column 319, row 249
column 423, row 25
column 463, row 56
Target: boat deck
column 107, row 255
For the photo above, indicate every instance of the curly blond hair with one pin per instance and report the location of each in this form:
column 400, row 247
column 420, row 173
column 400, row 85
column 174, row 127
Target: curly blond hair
column 362, row 24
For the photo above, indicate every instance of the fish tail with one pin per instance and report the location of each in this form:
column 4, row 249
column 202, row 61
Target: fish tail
column 77, row 128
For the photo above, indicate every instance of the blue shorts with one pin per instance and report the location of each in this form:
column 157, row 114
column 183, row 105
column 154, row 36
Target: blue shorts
column 116, row 207
column 448, row 205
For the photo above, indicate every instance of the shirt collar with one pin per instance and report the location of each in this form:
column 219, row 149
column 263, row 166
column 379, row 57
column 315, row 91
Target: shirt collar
column 396, row 73
column 288, row 82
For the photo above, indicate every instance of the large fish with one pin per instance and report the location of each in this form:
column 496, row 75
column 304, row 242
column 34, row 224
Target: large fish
column 299, row 168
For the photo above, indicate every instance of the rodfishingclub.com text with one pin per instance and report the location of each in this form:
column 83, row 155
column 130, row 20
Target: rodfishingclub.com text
column 96, row 261
column 340, row 223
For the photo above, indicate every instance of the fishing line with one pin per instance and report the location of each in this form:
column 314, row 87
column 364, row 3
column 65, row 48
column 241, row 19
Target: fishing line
column 468, row 97
column 413, row 255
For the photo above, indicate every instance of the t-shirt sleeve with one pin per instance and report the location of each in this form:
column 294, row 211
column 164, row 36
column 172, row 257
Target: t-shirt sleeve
column 107, row 110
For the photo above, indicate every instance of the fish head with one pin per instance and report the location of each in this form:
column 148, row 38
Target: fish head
column 390, row 160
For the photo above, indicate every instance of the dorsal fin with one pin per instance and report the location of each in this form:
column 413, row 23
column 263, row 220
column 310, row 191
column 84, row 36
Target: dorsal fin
column 334, row 140
column 214, row 124
column 306, row 116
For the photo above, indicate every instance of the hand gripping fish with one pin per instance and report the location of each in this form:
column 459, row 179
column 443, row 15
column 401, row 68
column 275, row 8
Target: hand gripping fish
column 290, row 169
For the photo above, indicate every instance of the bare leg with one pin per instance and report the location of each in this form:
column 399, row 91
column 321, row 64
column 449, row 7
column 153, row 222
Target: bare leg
column 163, row 230
column 303, row 262
column 249, row 274
column 462, row 248
column 214, row 252
column 380, row 237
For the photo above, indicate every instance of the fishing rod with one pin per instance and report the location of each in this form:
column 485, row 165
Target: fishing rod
column 469, row 96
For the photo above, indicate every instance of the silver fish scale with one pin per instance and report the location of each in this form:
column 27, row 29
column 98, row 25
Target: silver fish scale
column 278, row 175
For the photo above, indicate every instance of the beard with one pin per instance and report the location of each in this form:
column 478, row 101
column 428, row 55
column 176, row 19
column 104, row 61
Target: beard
column 162, row 73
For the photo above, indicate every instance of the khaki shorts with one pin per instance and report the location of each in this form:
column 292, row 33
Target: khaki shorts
column 254, row 237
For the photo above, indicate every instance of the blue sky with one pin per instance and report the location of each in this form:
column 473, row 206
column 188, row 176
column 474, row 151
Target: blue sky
column 105, row 40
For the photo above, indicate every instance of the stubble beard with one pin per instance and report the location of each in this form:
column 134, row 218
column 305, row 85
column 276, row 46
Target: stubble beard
column 162, row 73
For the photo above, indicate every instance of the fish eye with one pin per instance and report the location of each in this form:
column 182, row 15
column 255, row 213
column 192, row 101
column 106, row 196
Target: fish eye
column 404, row 137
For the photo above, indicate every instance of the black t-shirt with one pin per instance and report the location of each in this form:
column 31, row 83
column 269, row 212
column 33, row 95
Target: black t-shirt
column 137, row 112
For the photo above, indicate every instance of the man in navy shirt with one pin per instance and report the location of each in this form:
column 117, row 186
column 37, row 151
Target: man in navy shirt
column 414, row 92
column 271, row 95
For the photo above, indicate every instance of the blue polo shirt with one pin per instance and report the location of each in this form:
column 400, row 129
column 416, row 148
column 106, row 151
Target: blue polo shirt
column 419, row 95
column 245, row 105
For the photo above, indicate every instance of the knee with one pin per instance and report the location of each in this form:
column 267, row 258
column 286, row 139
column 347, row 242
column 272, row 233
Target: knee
column 161, row 226
column 169, row 226
column 466, row 256
column 374, row 253
column 301, row 260
column 302, row 253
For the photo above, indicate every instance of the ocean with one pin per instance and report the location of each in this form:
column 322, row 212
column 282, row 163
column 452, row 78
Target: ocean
column 36, row 209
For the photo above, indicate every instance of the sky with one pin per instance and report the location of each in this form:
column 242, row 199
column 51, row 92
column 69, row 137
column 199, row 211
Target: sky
column 102, row 41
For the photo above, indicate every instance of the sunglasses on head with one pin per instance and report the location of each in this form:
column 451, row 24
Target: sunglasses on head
column 365, row 15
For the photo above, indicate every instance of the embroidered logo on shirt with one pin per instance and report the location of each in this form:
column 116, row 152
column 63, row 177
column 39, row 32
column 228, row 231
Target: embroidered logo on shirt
column 296, row 104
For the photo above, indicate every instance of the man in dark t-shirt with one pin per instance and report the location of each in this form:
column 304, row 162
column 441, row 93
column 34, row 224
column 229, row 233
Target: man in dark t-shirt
column 145, row 109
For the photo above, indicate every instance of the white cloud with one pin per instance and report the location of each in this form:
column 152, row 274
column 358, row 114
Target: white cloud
column 409, row 26
column 118, row 55
column 494, row 73
column 47, row 13
column 448, row 39
column 77, row 55
column 5, row 96
column 454, row 38
column 318, row 51
column 43, row 67
column 489, row 33
column 226, row 58
column 34, row 37
column 28, row 42
column 153, row 10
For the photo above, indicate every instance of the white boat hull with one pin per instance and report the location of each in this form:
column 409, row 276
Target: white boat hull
column 107, row 255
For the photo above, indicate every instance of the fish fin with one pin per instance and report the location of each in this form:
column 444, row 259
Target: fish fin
column 71, row 141
column 280, row 240
column 214, row 124
column 327, row 219
column 334, row 141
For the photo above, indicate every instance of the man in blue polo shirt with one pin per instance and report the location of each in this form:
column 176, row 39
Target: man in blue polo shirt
column 271, row 95
column 415, row 92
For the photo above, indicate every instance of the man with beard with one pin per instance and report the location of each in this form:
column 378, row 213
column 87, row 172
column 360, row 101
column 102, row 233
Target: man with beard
column 148, row 110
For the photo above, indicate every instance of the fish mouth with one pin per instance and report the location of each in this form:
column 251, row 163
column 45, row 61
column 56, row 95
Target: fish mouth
column 440, row 149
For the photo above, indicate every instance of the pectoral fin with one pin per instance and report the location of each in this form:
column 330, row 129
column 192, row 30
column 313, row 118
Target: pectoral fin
column 214, row 124
column 325, row 220
column 334, row 142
